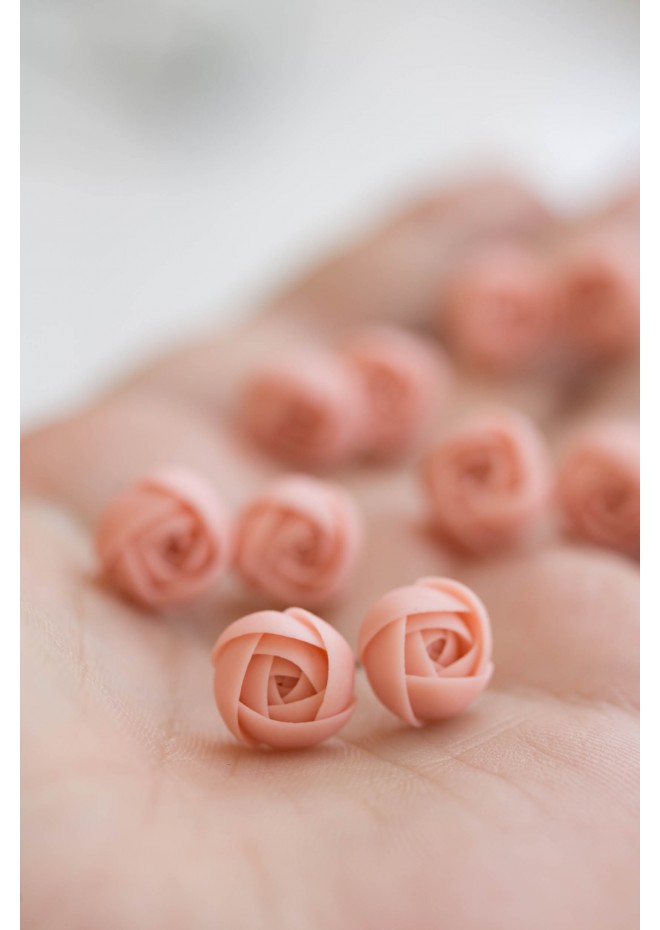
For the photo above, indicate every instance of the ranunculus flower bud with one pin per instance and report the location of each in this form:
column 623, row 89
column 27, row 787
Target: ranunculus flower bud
column 426, row 649
column 600, row 278
column 501, row 308
column 304, row 410
column 166, row 539
column 598, row 487
column 283, row 679
column 298, row 540
column 487, row 482
column 403, row 378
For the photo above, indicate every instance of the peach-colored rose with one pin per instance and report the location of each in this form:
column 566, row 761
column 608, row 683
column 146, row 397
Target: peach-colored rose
column 165, row 539
column 599, row 274
column 283, row 679
column 426, row 649
column 403, row 377
column 487, row 482
column 304, row 410
column 598, row 487
column 501, row 308
column 298, row 540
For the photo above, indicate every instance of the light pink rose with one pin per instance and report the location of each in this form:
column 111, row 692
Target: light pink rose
column 298, row 541
column 403, row 379
column 426, row 649
column 283, row 679
column 166, row 539
column 487, row 482
column 600, row 279
column 304, row 410
column 598, row 487
column 501, row 308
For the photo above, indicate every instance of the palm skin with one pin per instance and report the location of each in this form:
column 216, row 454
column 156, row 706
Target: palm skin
column 139, row 810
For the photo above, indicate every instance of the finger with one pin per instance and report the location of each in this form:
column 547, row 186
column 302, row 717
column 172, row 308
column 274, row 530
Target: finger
column 397, row 273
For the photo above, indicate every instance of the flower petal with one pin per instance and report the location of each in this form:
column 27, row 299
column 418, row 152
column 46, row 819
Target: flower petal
column 438, row 698
column 298, row 711
column 231, row 663
column 288, row 735
column 254, row 690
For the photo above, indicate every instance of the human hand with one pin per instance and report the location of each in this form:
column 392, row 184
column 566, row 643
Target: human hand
column 139, row 808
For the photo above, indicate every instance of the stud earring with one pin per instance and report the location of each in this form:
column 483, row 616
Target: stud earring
column 488, row 482
column 502, row 307
column 165, row 539
column 403, row 377
column 305, row 410
column 599, row 271
column 299, row 540
column 598, row 487
column 284, row 680
column 426, row 649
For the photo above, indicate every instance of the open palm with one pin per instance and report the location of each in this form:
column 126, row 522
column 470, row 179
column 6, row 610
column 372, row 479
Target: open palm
column 139, row 808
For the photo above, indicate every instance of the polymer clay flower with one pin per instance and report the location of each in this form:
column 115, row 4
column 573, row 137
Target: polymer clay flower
column 298, row 540
column 304, row 410
column 402, row 377
column 283, row 679
column 598, row 487
column 600, row 279
column 487, row 482
column 501, row 308
column 426, row 649
column 165, row 539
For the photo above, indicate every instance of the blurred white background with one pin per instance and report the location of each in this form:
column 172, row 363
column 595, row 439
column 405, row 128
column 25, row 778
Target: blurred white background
column 180, row 156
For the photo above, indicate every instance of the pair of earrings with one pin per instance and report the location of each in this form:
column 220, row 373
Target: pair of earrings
column 515, row 306
column 490, row 482
column 286, row 680
column 168, row 538
column 371, row 398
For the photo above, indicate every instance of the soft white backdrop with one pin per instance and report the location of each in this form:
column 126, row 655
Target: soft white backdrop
column 180, row 156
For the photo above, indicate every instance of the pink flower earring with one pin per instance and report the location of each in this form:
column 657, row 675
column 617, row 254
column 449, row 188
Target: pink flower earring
column 165, row 540
column 426, row 649
column 599, row 271
column 487, row 482
column 298, row 541
column 501, row 308
column 598, row 487
column 403, row 377
column 304, row 410
column 283, row 680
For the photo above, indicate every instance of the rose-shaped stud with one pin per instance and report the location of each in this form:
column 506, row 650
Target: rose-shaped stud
column 402, row 378
column 298, row 541
column 598, row 486
column 164, row 540
column 283, row 680
column 600, row 279
column 426, row 649
column 304, row 410
column 488, row 482
column 501, row 308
